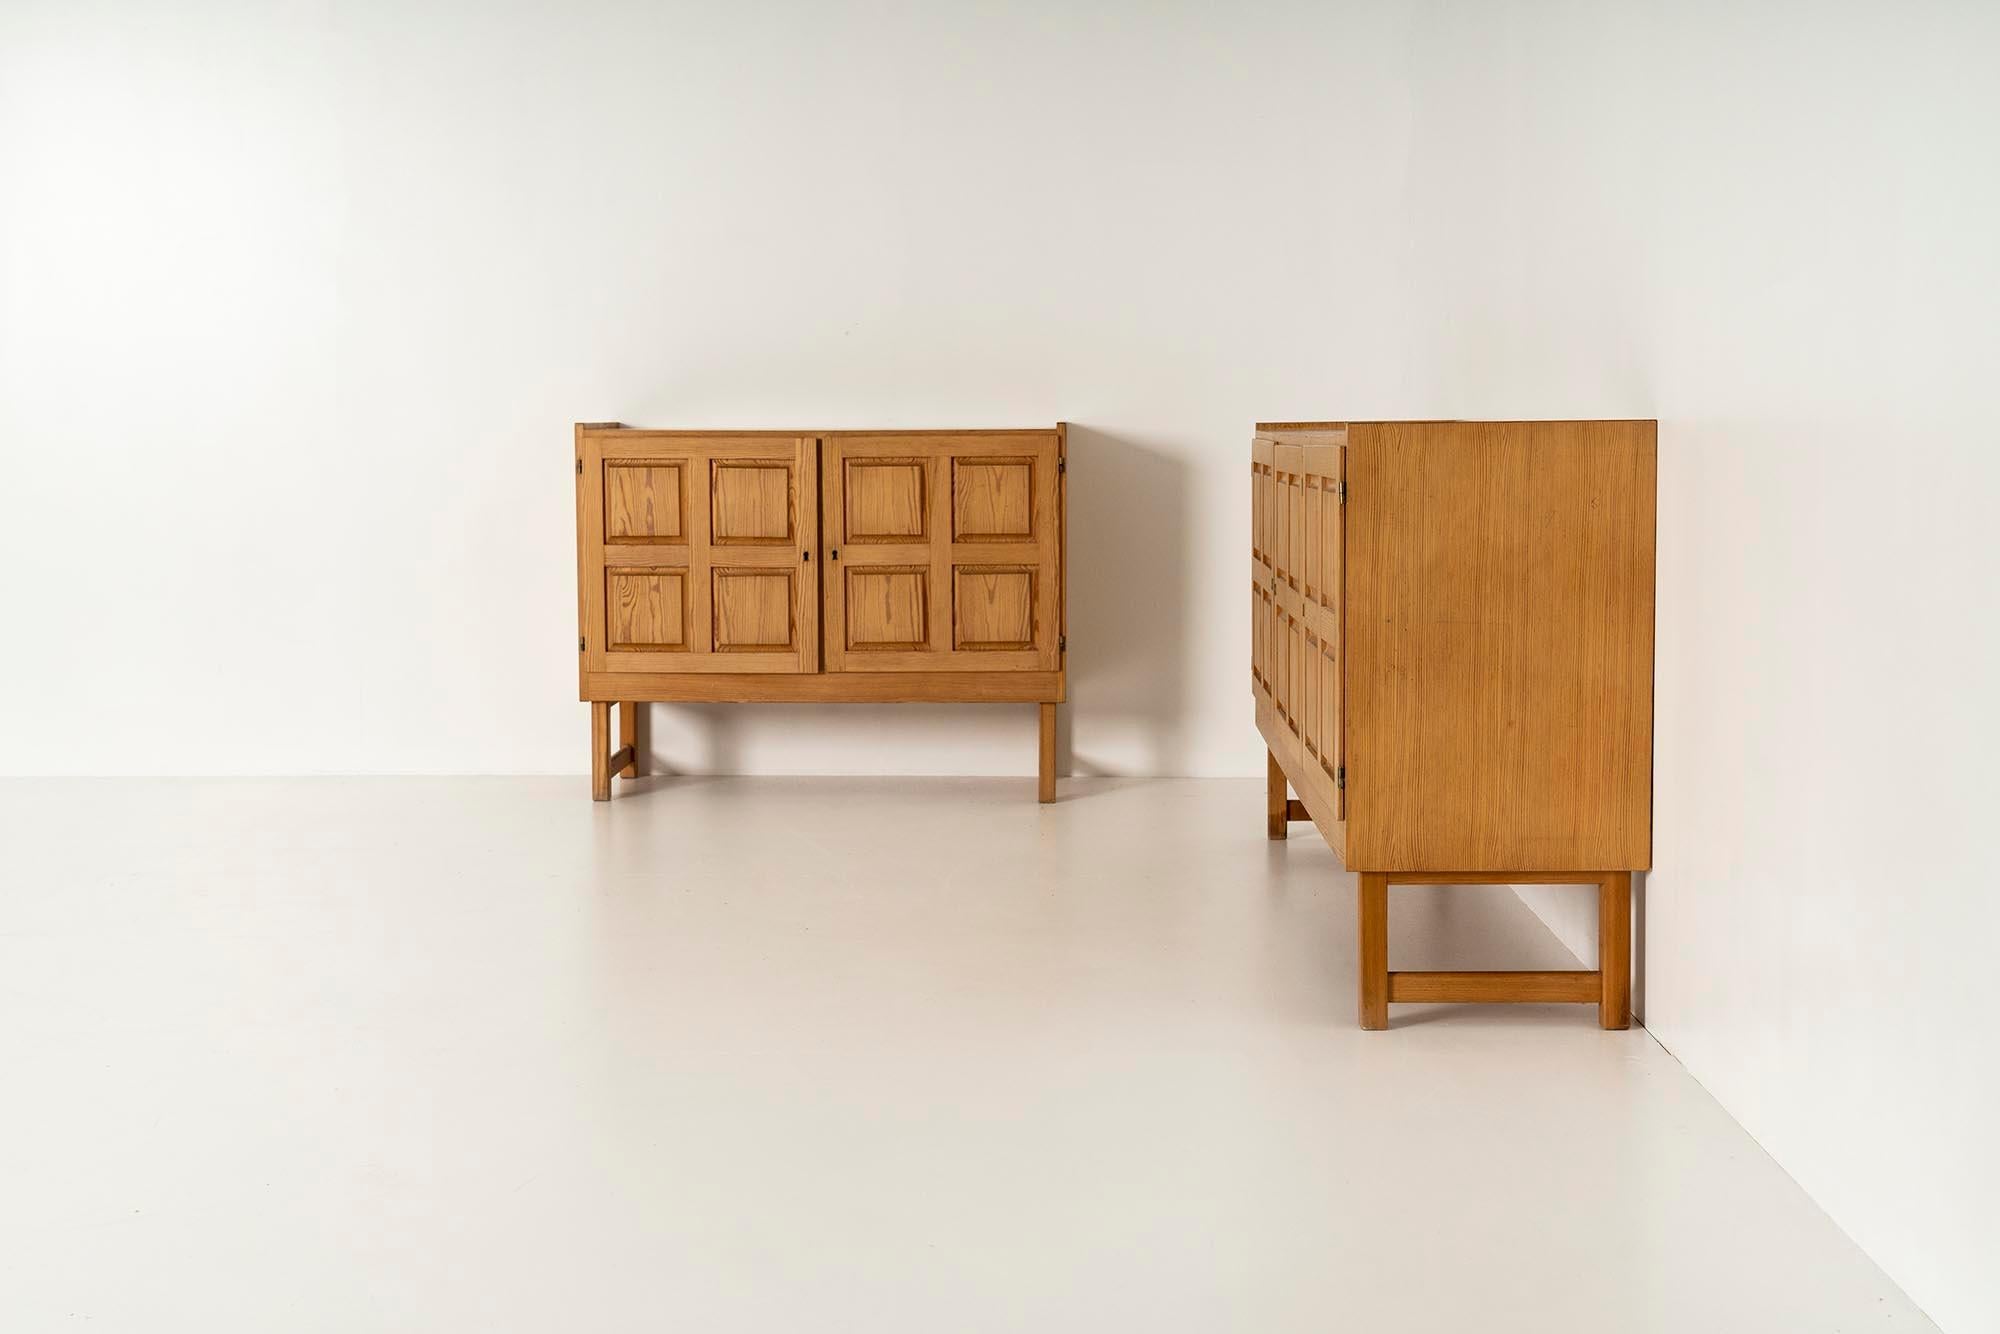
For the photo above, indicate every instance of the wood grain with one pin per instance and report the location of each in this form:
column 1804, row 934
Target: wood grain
column 1045, row 771
column 751, row 502
column 645, row 502
column 1297, row 629
column 1451, row 665
column 992, row 499
column 753, row 610
column 702, row 574
column 885, row 501
column 1565, row 987
column 646, row 610
column 1277, row 806
column 888, row 607
column 600, row 751
column 631, row 739
column 760, row 491
column 1500, row 623
column 1614, row 950
column 993, row 608
column 1372, row 928
column 988, row 539
column 1009, row 687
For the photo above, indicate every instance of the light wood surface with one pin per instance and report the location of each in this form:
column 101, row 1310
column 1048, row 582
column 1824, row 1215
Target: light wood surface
column 1296, row 598
column 1372, row 930
column 1608, row 986
column 830, row 687
column 645, row 502
column 1451, row 663
column 697, row 552
column 942, row 552
column 1045, row 784
column 1277, row 805
column 1614, row 950
column 600, row 751
column 632, row 729
column 1500, row 659
column 1574, row 986
column 831, row 566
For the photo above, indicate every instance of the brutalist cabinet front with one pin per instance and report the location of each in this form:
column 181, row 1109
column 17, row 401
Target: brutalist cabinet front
column 832, row 566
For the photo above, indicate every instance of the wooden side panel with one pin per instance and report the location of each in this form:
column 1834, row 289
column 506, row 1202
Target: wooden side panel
column 942, row 552
column 695, row 552
column 1500, row 634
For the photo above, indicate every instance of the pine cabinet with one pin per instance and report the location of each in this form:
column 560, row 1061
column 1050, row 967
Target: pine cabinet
column 1452, row 663
column 830, row 566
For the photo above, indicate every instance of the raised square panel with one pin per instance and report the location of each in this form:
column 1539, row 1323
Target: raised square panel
column 752, row 502
column 752, row 611
column 992, row 500
column 993, row 608
column 888, row 607
column 644, row 502
column 885, row 500
column 646, row 609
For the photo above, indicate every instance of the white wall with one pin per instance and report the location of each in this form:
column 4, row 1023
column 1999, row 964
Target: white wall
column 297, row 304
column 301, row 301
column 1777, row 228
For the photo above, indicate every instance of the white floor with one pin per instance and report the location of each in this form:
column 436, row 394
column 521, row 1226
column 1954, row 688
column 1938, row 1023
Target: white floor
column 479, row 1055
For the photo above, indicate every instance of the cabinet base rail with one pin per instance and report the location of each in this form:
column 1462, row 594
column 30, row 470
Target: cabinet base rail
column 1580, row 986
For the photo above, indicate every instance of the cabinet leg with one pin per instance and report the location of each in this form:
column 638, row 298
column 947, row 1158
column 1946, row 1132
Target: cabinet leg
column 600, row 751
column 1276, row 794
column 632, row 734
column 1046, row 774
column 1373, row 923
column 1614, row 950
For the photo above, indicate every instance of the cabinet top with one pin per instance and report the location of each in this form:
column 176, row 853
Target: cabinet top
column 1442, row 421
column 780, row 432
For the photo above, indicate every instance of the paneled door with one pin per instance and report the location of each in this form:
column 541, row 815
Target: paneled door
column 942, row 551
column 1298, row 498
column 699, row 552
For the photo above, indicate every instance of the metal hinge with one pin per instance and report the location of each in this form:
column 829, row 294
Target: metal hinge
column 579, row 643
column 1340, row 777
column 1062, row 465
column 1340, row 489
column 1062, row 643
column 579, row 467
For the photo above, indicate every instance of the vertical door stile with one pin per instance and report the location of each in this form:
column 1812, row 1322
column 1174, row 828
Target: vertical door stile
column 938, row 496
column 806, row 540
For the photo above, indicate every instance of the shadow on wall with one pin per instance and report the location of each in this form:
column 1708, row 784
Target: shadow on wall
column 1129, row 574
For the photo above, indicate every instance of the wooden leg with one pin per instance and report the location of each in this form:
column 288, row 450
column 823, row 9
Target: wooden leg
column 600, row 751
column 1614, row 950
column 1276, row 795
column 1046, row 776
column 1374, row 933
column 631, row 734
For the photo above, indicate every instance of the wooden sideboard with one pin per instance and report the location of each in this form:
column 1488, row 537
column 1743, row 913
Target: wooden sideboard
column 825, row 566
column 1452, row 660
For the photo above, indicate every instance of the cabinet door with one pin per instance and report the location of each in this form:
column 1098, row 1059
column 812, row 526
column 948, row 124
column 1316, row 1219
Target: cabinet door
column 943, row 552
column 698, row 552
